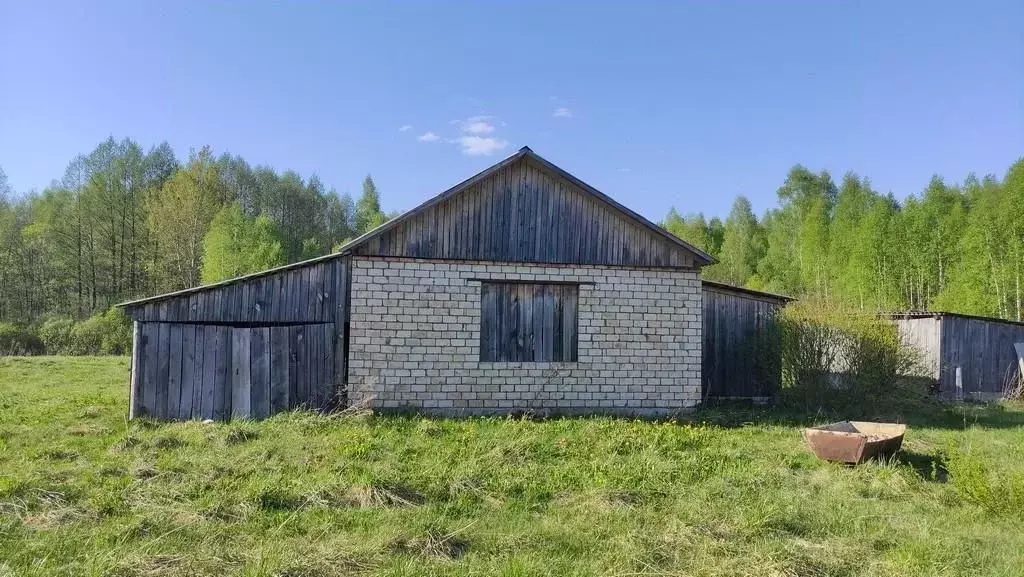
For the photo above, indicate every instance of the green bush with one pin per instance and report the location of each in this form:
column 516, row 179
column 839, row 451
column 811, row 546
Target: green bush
column 836, row 360
column 57, row 335
column 118, row 338
column 106, row 333
column 87, row 336
column 18, row 340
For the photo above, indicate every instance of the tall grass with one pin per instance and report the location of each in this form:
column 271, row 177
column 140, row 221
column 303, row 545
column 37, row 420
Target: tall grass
column 84, row 493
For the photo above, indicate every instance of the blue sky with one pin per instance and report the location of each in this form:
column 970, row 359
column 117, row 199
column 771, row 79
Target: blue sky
column 688, row 104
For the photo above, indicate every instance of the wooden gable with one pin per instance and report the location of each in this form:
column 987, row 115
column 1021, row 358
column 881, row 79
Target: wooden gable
column 525, row 209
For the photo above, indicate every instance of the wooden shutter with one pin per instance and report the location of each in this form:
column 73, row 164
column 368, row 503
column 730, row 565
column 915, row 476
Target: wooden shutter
column 528, row 322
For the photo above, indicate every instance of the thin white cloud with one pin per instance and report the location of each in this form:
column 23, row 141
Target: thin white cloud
column 472, row 145
column 562, row 112
column 428, row 137
column 476, row 124
column 625, row 169
column 478, row 127
column 405, row 128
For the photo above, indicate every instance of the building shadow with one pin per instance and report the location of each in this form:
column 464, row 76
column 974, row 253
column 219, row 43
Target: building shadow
column 930, row 413
column 929, row 467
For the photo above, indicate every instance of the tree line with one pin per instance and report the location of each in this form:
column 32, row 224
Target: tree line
column 952, row 247
column 123, row 222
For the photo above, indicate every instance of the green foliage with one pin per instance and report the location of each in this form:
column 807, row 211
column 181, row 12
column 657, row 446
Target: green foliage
column 124, row 222
column 743, row 245
column 368, row 214
column 179, row 217
column 236, row 245
column 58, row 335
column 102, row 334
column 696, row 230
column 841, row 360
column 958, row 248
column 18, row 340
column 107, row 333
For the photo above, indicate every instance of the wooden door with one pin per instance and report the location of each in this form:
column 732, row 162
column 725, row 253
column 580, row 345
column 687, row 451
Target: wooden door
column 190, row 371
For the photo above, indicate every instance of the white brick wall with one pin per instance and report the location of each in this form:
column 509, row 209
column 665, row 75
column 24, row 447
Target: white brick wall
column 414, row 340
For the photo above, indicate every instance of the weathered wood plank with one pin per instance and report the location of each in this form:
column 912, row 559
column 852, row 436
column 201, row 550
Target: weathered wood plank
column 199, row 372
column 188, row 374
column 259, row 372
column 314, row 341
column 150, row 366
column 241, row 383
column 163, row 369
column 135, row 380
column 279, row 363
column 174, row 371
column 220, row 385
column 209, row 375
column 327, row 365
column 298, row 368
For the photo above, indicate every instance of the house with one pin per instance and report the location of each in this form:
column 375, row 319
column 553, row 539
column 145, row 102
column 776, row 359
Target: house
column 968, row 356
column 742, row 353
column 521, row 288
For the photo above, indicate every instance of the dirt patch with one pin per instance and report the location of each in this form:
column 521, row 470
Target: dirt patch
column 57, row 454
column 472, row 488
column 167, row 442
column 434, row 543
column 382, row 495
column 335, row 565
column 86, row 431
column 240, row 435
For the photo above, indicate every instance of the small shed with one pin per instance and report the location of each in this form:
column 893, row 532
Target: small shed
column 968, row 356
column 742, row 356
column 520, row 288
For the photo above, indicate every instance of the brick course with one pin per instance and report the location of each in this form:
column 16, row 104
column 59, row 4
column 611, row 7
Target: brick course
column 414, row 340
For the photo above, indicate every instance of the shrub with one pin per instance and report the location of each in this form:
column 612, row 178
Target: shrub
column 57, row 335
column 87, row 336
column 117, row 340
column 18, row 340
column 849, row 361
column 106, row 333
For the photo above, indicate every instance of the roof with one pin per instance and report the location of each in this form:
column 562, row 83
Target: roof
column 940, row 314
column 746, row 291
column 701, row 257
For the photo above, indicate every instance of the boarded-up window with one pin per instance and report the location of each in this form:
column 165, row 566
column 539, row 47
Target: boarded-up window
column 522, row 322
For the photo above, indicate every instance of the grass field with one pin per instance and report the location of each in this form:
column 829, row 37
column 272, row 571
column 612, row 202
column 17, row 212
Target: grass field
column 83, row 492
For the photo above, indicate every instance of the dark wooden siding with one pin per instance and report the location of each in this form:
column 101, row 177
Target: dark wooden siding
column 982, row 350
column 525, row 213
column 247, row 348
column 305, row 294
column 190, row 371
column 741, row 356
column 528, row 322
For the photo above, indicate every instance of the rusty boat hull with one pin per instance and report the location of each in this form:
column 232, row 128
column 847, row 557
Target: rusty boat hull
column 854, row 442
